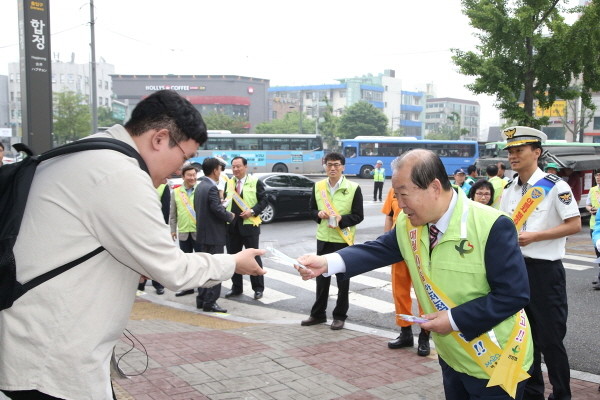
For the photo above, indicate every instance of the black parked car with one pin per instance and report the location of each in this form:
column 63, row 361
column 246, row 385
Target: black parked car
column 287, row 194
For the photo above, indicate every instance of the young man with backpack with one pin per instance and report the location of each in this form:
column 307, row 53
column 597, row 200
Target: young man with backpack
column 57, row 339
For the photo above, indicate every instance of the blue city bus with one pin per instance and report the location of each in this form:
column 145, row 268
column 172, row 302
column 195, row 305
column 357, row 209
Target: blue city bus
column 265, row 152
column 362, row 152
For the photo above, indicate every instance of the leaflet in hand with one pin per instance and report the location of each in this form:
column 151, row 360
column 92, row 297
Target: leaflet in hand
column 412, row 318
column 281, row 258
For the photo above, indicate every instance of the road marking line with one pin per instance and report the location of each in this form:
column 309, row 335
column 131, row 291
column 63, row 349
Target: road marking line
column 579, row 258
column 577, row 267
column 269, row 295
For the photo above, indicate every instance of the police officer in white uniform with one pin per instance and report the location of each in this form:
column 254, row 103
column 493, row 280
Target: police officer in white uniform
column 542, row 240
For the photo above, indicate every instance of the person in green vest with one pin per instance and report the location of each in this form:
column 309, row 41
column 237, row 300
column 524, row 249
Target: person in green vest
column 183, row 217
column 471, row 175
column 552, row 168
column 336, row 204
column 497, row 182
column 164, row 195
column 592, row 204
column 468, row 274
column 378, row 178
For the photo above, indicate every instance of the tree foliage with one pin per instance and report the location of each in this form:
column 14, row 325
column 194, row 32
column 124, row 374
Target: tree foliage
column 528, row 52
column 290, row 123
column 450, row 130
column 362, row 119
column 72, row 117
column 106, row 117
column 217, row 121
column 328, row 128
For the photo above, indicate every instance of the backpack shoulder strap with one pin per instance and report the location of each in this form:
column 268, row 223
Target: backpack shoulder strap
column 98, row 143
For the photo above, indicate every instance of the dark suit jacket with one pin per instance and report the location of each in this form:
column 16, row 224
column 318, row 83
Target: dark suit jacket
column 211, row 216
column 505, row 271
column 238, row 226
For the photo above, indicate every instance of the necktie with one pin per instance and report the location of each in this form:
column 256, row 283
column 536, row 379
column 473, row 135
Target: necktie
column 238, row 188
column 433, row 236
column 524, row 189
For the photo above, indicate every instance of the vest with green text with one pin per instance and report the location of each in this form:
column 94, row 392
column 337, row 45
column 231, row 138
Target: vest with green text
column 379, row 174
column 248, row 193
column 185, row 221
column 342, row 202
column 457, row 267
column 594, row 195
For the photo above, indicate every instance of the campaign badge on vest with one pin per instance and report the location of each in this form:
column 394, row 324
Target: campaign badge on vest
column 462, row 250
column 535, row 193
column 565, row 198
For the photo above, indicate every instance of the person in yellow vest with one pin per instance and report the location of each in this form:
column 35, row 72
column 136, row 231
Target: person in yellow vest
column 545, row 213
column 182, row 217
column 401, row 285
column 378, row 178
column 245, row 197
column 164, row 195
column 592, row 204
column 336, row 204
column 468, row 274
column 497, row 182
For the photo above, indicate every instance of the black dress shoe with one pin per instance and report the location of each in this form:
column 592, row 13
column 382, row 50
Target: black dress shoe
column 423, row 344
column 257, row 295
column 313, row 321
column 214, row 308
column 337, row 324
column 184, row 292
column 199, row 304
column 405, row 339
column 231, row 293
column 160, row 291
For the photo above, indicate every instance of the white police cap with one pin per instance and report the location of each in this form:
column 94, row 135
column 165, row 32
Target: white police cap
column 521, row 135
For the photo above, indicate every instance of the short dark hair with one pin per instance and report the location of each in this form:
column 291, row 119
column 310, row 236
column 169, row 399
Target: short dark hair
column 478, row 185
column 471, row 169
column 209, row 165
column 491, row 170
column 501, row 166
column 166, row 109
column 426, row 169
column 244, row 161
column 188, row 168
column 333, row 156
column 2, row 145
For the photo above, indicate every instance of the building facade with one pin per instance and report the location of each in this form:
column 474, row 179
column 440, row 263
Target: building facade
column 232, row 95
column 403, row 109
column 445, row 111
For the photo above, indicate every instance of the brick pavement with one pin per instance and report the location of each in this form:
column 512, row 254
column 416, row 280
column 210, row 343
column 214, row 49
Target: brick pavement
column 197, row 356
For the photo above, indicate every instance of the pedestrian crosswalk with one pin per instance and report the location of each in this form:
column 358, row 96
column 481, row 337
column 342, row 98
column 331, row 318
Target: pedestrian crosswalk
column 369, row 291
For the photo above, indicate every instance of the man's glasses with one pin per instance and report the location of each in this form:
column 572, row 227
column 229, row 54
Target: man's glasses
column 185, row 156
column 333, row 165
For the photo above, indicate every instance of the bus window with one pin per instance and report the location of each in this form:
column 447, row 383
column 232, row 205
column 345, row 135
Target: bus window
column 246, row 144
column 219, row 144
column 275, row 144
column 299, row 144
column 350, row 152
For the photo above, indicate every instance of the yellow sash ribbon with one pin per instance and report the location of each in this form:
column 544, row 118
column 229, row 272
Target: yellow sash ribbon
column 256, row 221
column 186, row 202
column 528, row 203
column 345, row 233
column 504, row 367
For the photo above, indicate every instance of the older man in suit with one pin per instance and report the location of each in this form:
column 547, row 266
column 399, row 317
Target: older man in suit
column 211, row 226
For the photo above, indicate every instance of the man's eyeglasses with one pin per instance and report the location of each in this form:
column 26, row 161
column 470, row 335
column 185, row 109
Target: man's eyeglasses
column 185, row 156
column 333, row 165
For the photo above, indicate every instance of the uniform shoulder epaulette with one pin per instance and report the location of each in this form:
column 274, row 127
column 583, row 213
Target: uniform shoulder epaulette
column 553, row 178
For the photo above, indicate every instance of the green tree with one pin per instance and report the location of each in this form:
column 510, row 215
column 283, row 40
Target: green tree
column 328, row 128
column 106, row 117
column 290, row 123
column 72, row 117
column 217, row 121
column 362, row 119
column 527, row 51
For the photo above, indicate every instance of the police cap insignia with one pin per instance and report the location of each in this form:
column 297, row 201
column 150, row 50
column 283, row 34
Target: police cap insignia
column 510, row 132
column 565, row 197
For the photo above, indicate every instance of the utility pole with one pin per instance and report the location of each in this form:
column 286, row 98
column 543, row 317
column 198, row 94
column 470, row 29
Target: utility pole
column 94, row 87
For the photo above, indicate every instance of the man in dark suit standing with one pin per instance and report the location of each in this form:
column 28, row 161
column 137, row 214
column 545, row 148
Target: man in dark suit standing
column 466, row 284
column 245, row 197
column 211, row 226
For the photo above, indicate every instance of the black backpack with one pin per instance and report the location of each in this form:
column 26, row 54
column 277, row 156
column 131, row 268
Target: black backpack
column 15, row 181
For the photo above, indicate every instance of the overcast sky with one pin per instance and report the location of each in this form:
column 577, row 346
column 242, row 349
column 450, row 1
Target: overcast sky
column 289, row 43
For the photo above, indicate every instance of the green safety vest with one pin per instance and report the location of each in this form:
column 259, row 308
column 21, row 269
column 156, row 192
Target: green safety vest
column 342, row 201
column 594, row 195
column 498, row 184
column 161, row 189
column 185, row 221
column 379, row 174
column 248, row 193
column 460, row 274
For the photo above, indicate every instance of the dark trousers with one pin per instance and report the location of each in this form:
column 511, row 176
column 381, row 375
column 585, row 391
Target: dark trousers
column 460, row 386
column 322, row 295
column 547, row 313
column 208, row 296
column 189, row 245
column 33, row 395
column 235, row 243
column 155, row 284
column 377, row 188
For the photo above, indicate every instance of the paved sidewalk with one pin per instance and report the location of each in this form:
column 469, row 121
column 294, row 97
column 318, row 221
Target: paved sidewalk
column 195, row 355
